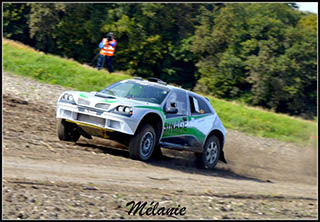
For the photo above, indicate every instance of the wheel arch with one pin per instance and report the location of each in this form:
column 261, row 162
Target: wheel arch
column 220, row 136
column 155, row 121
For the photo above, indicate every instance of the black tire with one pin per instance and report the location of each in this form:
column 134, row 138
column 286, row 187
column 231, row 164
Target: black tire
column 209, row 158
column 157, row 153
column 141, row 145
column 68, row 131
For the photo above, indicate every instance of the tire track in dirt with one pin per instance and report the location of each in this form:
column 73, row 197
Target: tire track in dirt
column 263, row 179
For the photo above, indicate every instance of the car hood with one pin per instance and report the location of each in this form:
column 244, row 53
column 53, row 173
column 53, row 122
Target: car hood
column 94, row 98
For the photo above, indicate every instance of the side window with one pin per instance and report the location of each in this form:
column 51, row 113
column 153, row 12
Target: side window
column 203, row 106
column 198, row 105
column 180, row 99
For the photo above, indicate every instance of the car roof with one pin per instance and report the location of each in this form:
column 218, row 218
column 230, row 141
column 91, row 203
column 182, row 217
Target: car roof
column 164, row 84
column 154, row 83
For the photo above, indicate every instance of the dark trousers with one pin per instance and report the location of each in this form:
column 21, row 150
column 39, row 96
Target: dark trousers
column 101, row 60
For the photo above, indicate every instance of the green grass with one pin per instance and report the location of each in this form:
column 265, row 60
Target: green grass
column 263, row 123
column 23, row 60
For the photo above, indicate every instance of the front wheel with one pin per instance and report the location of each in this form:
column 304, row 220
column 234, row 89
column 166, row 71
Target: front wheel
column 209, row 157
column 157, row 153
column 142, row 143
column 68, row 131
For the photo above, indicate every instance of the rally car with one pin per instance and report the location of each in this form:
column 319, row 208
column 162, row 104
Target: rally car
column 145, row 115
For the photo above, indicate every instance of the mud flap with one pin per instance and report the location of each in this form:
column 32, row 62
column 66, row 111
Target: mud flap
column 85, row 134
column 221, row 157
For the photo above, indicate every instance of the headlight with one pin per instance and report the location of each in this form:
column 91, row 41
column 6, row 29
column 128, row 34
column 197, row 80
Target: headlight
column 127, row 109
column 70, row 98
column 67, row 98
column 124, row 110
column 120, row 109
column 102, row 105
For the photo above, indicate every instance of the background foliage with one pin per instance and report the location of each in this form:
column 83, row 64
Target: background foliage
column 26, row 61
column 262, row 54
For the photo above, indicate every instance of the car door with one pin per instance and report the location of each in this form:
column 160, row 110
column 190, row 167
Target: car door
column 176, row 124
column 201, row 119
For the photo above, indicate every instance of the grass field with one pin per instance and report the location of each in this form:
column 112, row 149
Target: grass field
column 264, row 123
column 23, row 60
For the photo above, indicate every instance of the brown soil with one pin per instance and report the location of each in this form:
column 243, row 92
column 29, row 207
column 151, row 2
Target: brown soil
column 44, row 178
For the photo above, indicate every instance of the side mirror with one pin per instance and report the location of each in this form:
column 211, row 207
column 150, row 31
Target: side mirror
column 173, row 109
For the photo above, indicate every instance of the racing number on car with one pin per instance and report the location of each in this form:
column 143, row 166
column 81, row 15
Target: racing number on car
column 176, row 123
column 180, row 124
column 175, row 127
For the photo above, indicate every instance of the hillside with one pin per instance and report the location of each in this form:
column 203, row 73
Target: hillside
column 45, row 178
column 23, row 60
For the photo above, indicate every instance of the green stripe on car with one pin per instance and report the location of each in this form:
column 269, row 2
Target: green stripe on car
column 185, row 131
column 201, row 116
column 82, row 95
column 179, row 131
column 108, row 101
column 154, row 108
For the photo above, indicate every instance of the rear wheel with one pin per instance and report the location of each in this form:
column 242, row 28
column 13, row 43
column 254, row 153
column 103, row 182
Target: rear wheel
column 68, row 131
column 142, row 144
column 209, row 158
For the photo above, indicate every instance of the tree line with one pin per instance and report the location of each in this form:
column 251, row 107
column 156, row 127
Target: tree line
column 264, row 54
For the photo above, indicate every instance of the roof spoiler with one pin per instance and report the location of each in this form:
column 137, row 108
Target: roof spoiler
column 137, row 78
column 157, row 81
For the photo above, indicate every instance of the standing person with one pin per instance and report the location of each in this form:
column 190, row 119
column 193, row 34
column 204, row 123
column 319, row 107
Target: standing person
column 107, row 46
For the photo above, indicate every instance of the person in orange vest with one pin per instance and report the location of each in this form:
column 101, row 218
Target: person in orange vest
column 107, row 48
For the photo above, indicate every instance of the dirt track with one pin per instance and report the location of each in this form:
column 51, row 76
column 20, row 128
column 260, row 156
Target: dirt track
column 44, row 178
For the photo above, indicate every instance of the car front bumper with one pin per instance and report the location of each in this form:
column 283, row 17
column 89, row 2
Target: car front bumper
column 95, row 118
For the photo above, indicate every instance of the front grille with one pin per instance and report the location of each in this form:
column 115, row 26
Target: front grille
column 91, row 119
column 83, row 102
column 67, row 113
column 103, row 106
column 113, row 124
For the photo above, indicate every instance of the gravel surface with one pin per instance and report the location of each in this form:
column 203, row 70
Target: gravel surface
column 44, row 178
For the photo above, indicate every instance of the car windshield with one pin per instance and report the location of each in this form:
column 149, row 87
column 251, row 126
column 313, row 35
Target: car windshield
column 137, row 91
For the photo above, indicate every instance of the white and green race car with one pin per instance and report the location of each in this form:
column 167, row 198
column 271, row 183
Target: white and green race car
column 145, row 115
